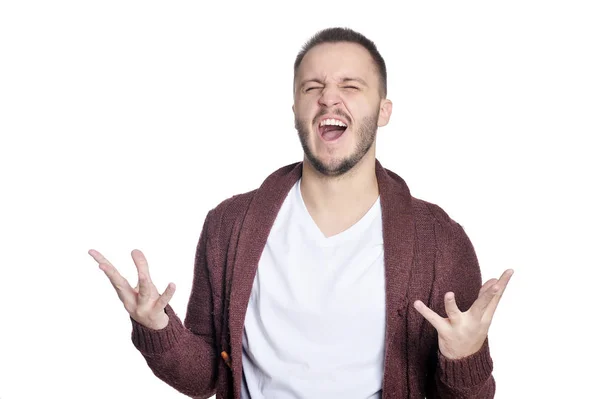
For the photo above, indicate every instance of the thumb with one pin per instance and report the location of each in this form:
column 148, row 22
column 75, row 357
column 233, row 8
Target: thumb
column 164, row 299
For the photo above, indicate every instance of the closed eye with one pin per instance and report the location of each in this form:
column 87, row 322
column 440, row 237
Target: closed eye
column 312, row 88
column 351, row 87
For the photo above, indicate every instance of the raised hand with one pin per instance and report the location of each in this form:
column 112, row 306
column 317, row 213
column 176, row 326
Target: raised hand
column 463, row 333
column 144, row 304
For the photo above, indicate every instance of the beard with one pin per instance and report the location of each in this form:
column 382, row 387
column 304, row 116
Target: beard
column 365, row 129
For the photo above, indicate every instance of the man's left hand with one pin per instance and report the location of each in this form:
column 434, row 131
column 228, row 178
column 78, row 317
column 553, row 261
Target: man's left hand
column 463, row 333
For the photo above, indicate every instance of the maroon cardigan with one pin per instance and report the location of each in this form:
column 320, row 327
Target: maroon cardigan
column 426, row 254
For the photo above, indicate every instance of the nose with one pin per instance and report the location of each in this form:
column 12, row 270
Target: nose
column 330, row 96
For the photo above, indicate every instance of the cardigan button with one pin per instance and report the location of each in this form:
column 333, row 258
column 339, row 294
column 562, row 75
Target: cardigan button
column 226, row 358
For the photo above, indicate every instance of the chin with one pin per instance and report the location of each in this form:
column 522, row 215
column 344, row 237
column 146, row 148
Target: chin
column 331, row 167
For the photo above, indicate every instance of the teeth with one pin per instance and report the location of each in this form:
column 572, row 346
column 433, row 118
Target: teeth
column 334, row 122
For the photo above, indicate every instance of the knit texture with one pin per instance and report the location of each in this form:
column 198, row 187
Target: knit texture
column 426, row 254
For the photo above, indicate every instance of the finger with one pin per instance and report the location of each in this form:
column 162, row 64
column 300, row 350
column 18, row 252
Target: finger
column 452, row 309
column 500, row 288
column 98, row 257
column 164, row 299
column 484, row 299
column 140, row 263
column 487, row 285
column 436, row 320
column 118, row 281
column 144, row 289
column 121, row 285
column 108, row 268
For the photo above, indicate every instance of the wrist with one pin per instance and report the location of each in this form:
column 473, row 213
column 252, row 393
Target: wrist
column 158, row 322
column 461, row 351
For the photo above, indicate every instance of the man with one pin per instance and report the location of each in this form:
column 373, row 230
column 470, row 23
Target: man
column 330, row 280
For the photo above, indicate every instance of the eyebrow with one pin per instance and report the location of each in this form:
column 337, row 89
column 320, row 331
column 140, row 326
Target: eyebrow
column 359, row 80
column 344, row 80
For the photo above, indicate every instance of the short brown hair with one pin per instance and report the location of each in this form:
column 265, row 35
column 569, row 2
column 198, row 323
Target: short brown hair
column 336, row 35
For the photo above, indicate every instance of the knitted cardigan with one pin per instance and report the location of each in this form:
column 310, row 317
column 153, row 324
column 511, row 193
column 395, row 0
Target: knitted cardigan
column 426, row 254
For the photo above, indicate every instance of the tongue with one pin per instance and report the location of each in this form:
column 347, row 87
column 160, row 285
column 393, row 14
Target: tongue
column 331, row 133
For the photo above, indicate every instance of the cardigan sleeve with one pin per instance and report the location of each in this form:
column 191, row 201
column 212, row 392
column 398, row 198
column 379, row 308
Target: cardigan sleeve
column 469, row 377
column 184, row 355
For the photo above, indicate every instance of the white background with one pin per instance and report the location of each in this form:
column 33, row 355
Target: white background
column 123, row 122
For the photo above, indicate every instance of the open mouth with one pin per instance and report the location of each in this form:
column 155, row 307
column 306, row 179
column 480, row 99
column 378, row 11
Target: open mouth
column 331, row 129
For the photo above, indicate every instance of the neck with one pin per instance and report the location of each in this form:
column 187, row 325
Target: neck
column 340, row 197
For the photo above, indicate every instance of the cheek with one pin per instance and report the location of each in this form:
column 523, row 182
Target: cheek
column 357, row 109
column 305, row 109
column 361, row 107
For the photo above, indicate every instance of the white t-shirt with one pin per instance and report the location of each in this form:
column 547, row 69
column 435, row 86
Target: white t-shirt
column 315, row 324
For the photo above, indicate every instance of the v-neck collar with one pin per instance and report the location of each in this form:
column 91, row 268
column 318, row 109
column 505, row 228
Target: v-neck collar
column 350, row 233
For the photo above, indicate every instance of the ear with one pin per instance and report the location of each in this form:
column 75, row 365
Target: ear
column 385, row 111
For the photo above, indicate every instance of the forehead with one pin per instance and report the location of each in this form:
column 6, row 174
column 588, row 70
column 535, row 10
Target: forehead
column 336, row 60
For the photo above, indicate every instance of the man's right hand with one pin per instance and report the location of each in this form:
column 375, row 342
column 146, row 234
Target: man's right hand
column 144, row 304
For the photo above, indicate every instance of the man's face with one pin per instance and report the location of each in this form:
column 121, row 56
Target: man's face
column 337, row 106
